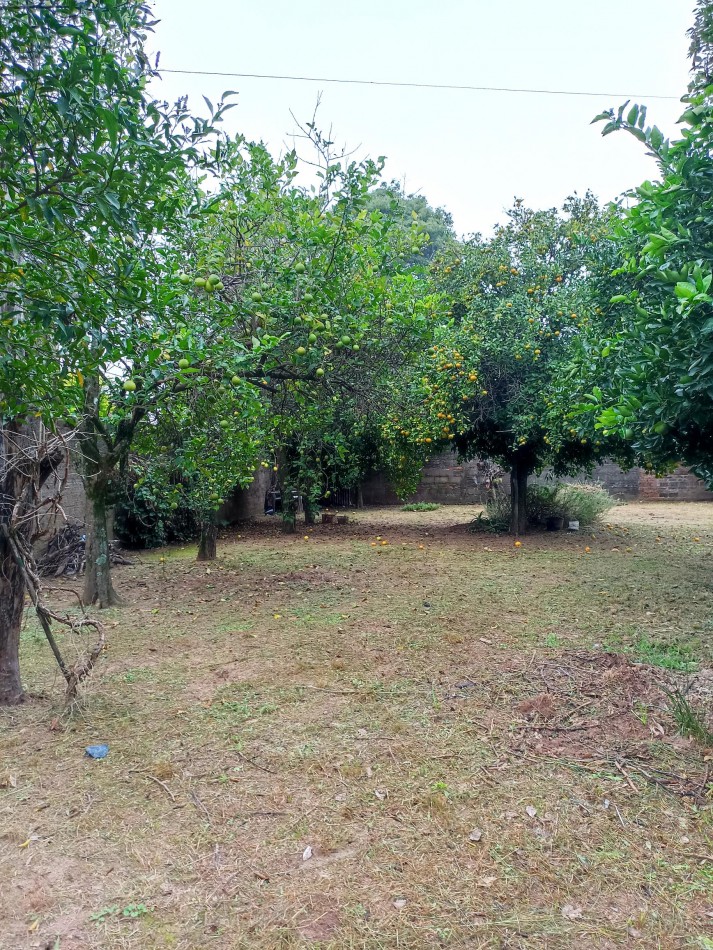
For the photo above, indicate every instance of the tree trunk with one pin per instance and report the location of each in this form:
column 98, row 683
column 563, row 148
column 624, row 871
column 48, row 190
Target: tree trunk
column 207, row 546
column 12, row 600
column 518, row 496
column 289, row 509
column 310, row 509
column 98, row 471
column 360, row 497
column 27, row 460
column 98, row 587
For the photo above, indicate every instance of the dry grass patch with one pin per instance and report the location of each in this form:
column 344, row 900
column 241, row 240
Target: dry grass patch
column 442, row 741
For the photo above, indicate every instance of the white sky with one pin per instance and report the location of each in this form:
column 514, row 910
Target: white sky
column 471, row 152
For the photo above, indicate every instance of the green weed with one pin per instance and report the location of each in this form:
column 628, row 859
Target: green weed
column 669, row 656
column 687, row 719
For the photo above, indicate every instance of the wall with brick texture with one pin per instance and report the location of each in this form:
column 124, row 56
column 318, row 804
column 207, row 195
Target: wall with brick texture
column 447, row 482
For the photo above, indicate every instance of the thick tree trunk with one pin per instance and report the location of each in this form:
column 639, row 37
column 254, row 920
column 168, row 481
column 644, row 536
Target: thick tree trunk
column 360, row 497
column 518, row 496
column 98, row 587
column 12, row 600
column 28, row 457
column 207, row 546
column 98, row 470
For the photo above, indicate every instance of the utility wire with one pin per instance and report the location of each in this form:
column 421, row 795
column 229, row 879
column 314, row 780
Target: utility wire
column 412, row 85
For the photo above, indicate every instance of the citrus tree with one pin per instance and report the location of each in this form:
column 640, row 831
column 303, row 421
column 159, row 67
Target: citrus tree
column 276, row 302
column 89, row 167
column 494, row 381
column 320, row 288
column 660, row 360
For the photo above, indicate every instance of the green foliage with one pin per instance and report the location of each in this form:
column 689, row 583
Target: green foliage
column 498, row 379
column 429, row 229
column 580, row 502
column 91, row 171
column 279, row 312
column 542, row 503
column 669, row 656
column 661, row 397
column 583, row 503
column 152, row 512
column 131, row 911
column 495, row 516
column 421, row 506
column 312, row 305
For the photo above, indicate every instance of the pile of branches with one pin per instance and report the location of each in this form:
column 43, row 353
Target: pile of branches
column 66, row 554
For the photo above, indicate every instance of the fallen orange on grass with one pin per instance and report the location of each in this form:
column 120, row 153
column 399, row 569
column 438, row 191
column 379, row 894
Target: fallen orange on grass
column 518, row 544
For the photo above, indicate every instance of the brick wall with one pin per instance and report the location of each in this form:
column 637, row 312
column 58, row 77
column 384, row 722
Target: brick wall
column 446, row 481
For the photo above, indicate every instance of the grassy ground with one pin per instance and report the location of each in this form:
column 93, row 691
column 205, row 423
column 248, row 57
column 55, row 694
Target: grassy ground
column 331, row 741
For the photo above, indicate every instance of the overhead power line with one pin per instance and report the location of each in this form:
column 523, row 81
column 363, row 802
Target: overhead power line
column 415, row 85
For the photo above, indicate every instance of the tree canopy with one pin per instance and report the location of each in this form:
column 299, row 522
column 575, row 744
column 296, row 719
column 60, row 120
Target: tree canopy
column 429, row 229
column 661, row 378
column 494, row 381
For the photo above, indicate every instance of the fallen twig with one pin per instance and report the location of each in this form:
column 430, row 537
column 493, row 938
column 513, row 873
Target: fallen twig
column 200, row 806
column 626, row 776
column 162, row 784
column 324, row 689
column 256, row 764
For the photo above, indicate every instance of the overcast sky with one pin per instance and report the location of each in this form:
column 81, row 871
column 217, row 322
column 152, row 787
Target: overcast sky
column 471, row 152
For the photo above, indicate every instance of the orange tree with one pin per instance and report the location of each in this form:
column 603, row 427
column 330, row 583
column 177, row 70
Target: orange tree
column 495, row 381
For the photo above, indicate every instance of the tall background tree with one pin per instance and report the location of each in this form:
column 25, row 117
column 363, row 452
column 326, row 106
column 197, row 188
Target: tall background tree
column 412, row 214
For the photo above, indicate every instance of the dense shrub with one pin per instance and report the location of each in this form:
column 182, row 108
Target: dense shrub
column 542, row 503
column 421, row 506
column 584, row 503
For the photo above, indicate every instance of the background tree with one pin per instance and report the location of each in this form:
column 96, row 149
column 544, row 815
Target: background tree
column 413, row 214
column 286, row 301
column 493, row 382
column 661, row 358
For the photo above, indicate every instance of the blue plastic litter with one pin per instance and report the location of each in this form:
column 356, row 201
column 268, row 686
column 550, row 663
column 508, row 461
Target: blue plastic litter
column 97, row 751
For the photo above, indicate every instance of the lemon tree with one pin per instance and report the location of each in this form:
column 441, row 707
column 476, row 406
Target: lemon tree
column 278, row 306
column 304, row 294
